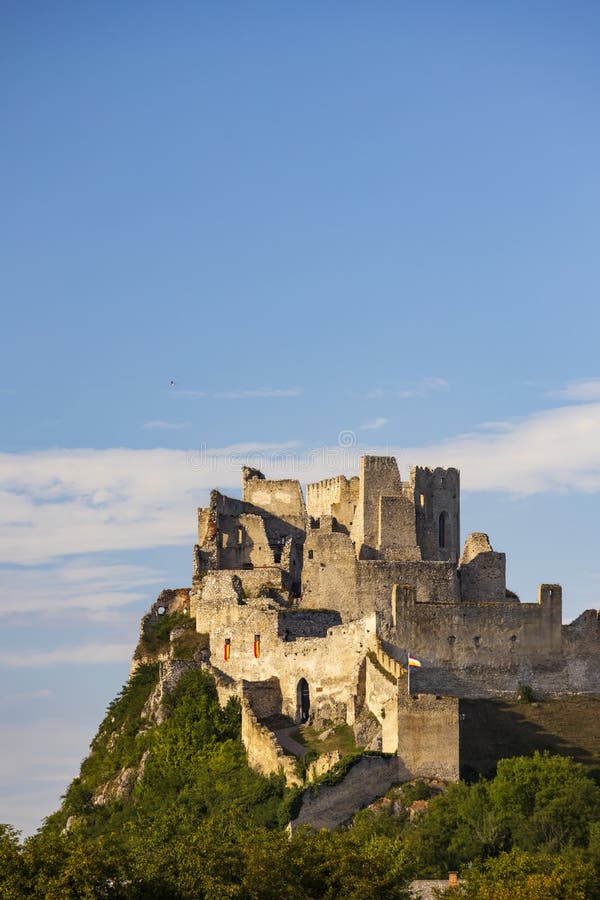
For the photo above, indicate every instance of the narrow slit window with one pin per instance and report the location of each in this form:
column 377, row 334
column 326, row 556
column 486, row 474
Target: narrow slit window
column 442, row 528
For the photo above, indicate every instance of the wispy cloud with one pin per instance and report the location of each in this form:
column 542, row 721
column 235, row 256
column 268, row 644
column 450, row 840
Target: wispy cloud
column 429, row 385
column 241, row 394
column 584, row 390
column 92, row 588
column 85, row 654
column 257, row 394
column 161, row 425
column 189, row 395
column 374, row 425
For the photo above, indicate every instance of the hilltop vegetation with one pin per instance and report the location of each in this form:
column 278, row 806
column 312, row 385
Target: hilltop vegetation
column 173, row 811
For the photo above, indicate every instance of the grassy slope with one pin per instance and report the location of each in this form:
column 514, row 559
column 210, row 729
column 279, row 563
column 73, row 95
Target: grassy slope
column 494, row 729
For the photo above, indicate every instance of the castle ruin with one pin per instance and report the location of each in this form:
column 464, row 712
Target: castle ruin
column 312, row 605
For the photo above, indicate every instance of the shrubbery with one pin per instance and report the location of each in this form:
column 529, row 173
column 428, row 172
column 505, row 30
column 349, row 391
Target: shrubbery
column 201, row 824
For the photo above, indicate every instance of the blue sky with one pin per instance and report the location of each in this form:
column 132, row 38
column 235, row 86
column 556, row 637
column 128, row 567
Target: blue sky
column 330, row 223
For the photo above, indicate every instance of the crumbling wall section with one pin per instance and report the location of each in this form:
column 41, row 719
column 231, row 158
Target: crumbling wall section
column 282, row 499
column 379, row 477
column 482, row 571
column 335, row 497
column 265, row 753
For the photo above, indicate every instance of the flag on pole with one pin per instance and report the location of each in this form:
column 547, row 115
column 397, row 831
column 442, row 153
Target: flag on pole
column 414, row 662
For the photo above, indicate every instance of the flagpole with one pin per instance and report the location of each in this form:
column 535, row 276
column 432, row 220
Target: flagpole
column 408, row 671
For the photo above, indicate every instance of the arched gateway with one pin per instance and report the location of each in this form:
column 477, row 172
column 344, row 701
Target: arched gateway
column 303, row 700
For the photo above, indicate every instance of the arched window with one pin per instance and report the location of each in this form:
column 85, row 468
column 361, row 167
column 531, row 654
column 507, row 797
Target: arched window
column 442, row 530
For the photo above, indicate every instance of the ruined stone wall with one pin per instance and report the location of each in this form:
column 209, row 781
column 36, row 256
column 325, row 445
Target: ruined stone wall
column 335, row 497
column 333, row 578
column 397, row 535
column 437, row 491
column 264, row 697
column 244, row 542
column 491, row 634
column 330, row 664
column 379, row 477
column 282, row 499
column 303, row 623
column 428, row 736
column 234, row 534
column 482, row 572
column 265, row 753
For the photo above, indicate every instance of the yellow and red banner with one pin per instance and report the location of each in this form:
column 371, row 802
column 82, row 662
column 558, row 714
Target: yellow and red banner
column 227, row 650
column 256, row 646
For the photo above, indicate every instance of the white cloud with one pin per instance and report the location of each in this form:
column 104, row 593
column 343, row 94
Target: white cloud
column 554, row 450
column 161, row 425
column 91, row 588
column 584, row 390
column 58, row 502
column 85, row 654
column 375, row 424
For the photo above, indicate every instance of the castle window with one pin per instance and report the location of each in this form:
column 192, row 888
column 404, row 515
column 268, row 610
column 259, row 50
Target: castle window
column 422, row 500
column 310, row 554
column 442, row 530
column 240, row 535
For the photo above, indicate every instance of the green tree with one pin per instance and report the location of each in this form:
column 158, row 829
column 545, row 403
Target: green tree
column 518, row 875
column 544, row 801
column 14, row 881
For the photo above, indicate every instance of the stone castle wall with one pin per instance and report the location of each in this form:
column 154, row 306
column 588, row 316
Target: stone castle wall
column 265, row 753
column 428, row 730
